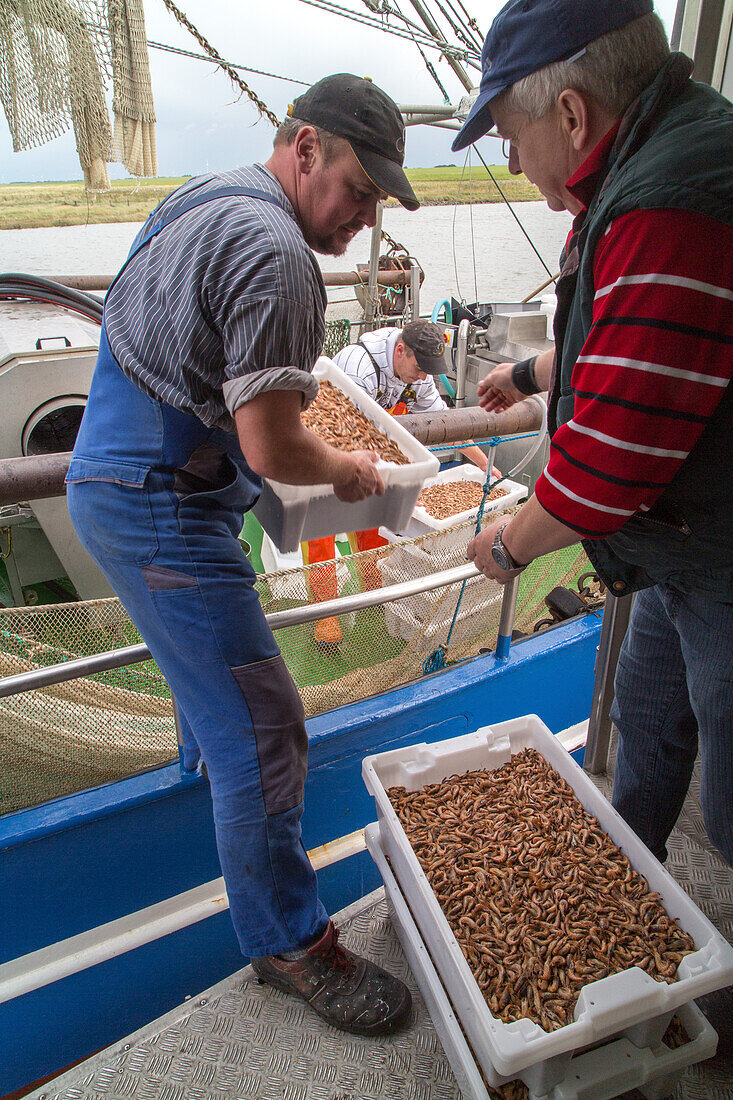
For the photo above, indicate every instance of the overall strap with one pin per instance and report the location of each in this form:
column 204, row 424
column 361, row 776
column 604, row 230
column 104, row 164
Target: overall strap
column 152, row 228
column 376, row 367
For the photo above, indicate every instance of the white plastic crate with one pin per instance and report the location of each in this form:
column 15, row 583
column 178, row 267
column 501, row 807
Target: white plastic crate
column 291, row 514
column 599, row 1074
column 415, row 617
column 421, row 521
column 629, row 1004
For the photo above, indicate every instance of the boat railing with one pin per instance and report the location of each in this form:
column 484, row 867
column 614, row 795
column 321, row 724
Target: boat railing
column 278, row 620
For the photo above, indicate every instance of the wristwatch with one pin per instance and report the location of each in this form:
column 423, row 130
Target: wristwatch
column 501, row 555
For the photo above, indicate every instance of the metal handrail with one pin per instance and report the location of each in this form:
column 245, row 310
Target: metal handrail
column 131, row 655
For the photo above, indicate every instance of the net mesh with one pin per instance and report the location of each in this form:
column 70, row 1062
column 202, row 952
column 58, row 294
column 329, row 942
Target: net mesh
column 103, row 727
column 56, row 57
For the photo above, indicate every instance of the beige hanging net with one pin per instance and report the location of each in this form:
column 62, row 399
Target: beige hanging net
column 56, row 58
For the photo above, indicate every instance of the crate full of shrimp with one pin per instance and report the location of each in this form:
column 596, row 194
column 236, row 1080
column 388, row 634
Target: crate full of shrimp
column 605, row 1070
column 344, row 416
column 551, row 925
column 454, row 495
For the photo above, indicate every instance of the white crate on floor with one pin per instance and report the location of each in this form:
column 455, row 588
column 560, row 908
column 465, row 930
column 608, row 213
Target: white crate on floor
column 629, row 1004
column 291, row 514
column 421, row 520
column 607, row 1071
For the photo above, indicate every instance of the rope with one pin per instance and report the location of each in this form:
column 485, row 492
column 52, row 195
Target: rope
column 453, row 51
column 203, row 57
column 216, row 56
column 514, row 215
column 437, row 659
column 428, row 64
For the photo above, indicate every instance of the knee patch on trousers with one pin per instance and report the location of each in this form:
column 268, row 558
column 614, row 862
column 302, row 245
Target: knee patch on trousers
column 278, row 719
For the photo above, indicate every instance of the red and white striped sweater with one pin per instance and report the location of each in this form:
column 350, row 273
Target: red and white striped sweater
column 656, row 362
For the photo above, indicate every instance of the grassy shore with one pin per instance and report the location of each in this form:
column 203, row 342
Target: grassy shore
column 33, row 205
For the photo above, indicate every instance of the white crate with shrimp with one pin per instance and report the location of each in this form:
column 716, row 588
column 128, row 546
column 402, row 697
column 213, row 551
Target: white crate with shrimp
column 291, row 514
column 575, row 932
column 603, row 1072
column 454, row 495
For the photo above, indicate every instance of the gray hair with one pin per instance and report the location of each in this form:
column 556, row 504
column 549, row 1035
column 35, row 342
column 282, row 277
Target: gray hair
column 613, row 70
column 331, row 144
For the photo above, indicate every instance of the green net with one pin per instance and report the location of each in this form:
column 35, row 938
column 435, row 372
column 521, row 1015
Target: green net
column 100, row 728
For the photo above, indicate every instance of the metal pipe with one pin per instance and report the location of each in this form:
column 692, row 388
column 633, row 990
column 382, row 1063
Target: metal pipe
column 330, row 278
column 506, row 619
column 461, row 362
column 471, row 422
column 130, row 655
column 33, row 477
column 616, row 615
column 372, row 298
column 415, row 273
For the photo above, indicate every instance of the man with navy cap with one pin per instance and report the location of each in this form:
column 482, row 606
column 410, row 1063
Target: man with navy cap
column 211, row 331
column 609, row 125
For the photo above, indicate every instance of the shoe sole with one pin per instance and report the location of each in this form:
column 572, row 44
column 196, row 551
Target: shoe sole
column 385, row 1027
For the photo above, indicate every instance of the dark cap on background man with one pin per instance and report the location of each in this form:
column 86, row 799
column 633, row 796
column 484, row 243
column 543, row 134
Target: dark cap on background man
column 529, row 34
column 426, row 341
column 357, row 110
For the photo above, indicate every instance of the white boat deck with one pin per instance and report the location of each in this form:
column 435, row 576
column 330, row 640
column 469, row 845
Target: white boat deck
column 245, row 1041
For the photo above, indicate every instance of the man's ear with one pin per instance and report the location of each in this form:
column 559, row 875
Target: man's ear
column 575, row 120
column 305, row 148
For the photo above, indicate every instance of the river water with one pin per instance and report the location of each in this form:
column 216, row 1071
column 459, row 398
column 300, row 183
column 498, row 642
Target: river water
column 475, row 253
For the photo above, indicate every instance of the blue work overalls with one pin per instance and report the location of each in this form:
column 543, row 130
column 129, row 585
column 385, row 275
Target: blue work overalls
column 157, row 499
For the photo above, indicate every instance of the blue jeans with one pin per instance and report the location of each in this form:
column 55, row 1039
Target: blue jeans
column 157, row 499
column 674, row 693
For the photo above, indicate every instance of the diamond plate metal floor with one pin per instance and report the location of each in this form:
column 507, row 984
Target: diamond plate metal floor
column 250, row 1042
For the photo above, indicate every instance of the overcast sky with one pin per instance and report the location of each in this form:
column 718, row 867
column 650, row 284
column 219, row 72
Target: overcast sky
column 202, row 126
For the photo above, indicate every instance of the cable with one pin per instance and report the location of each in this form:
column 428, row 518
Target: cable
column 511, row 209
column 15, row 285
column 327, row 5
column 212, row 61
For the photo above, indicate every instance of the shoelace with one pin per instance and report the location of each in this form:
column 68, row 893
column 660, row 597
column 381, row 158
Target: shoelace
column 341, row 960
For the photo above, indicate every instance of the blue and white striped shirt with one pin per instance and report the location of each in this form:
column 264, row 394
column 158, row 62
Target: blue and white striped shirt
column 223, row 304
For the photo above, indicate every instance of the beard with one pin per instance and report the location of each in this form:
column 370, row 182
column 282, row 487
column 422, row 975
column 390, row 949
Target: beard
column 335, row 243
column 331, row 244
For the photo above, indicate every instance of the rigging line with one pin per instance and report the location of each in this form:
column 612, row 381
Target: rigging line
column 473, row 236
column 429, row 66
column 233, row 76
column 453, row 233
column 376, row 24
column 213, row 61
column 456, row 28
column 478, row 41
column 471, row 21
column 514, row 215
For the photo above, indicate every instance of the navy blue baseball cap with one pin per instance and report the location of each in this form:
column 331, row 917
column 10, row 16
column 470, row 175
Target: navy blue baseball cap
column 529, row 34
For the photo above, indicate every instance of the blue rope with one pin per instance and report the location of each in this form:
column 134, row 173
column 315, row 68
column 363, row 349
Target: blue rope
column 493, row 442
column 436, row 661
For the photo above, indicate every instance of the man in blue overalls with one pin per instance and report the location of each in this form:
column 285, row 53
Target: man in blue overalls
column 210, row 332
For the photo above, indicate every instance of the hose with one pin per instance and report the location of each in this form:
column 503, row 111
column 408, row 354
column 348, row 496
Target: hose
column 34, row 288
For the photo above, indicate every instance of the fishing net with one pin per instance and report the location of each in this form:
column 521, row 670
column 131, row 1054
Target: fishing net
column 109, row 725
column 56, row 58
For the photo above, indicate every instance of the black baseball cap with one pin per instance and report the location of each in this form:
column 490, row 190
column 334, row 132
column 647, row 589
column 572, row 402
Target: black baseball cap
column 529, row 34
column 426, row 341
column 357, row 110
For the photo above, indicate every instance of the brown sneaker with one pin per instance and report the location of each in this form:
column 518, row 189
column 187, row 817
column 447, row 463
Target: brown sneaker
column 344, row 989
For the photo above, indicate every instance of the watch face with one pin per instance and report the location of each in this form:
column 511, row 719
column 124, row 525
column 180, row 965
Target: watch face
column 499, row 555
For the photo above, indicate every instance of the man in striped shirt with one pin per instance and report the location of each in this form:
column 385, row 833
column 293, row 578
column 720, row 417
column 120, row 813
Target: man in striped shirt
column 210, row 333
column 610, row 127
